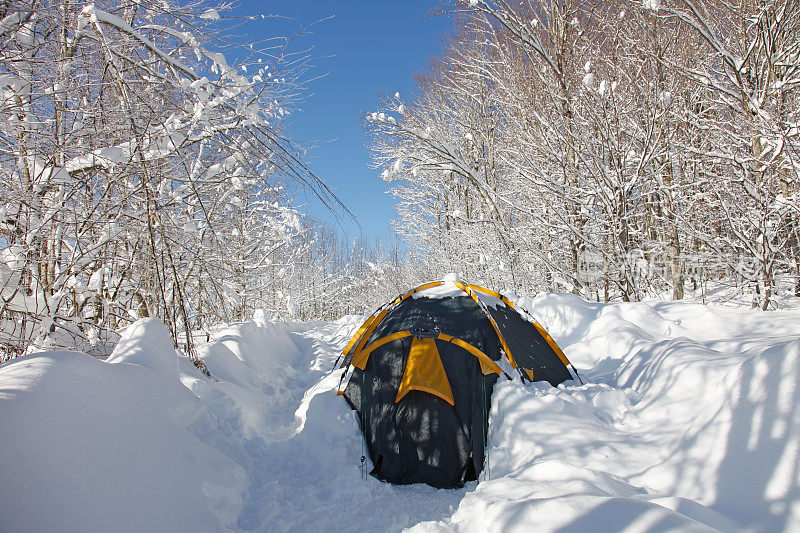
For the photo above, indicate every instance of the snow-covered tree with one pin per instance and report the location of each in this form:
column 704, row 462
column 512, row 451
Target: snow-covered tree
column 628, row 144
column 751, row 78
column 143, row 173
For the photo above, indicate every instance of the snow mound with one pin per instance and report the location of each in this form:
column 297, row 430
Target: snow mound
column 451, row 278
column 689, row 420
column 91, row 446
column 147, row 343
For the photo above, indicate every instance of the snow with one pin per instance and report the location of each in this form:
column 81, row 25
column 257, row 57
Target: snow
column 451, row 277
column 92, row 446
column 146, row 343
column 445, row 290
column 689, row 420
column 210, row 14
column 652, row 5
column 91, row 14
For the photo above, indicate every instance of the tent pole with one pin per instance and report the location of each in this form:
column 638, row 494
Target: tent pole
column 363, row 425
column 485, row 433
column 576, row 373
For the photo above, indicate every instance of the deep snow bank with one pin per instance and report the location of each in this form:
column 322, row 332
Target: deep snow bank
column 689, row 420
column 87, row 445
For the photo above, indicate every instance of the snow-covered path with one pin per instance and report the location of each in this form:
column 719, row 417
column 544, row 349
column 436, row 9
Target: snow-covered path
column 689, row 420
column 312, row 480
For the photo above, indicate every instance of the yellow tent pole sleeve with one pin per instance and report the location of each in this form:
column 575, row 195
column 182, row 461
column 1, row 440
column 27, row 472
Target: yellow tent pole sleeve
column 484, row 290
column 508, row 302
column 430, row 390
column 377, row 318
column 358, row 334
column 552, row 343
column 361, row 358
column 490, row 292
column 487, row 365
column 529, row 373
column 369, row 331
column 469, row 291
column 420, row 288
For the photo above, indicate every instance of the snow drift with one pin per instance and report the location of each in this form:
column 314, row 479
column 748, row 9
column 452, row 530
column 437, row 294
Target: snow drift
column 688, row 420
column 103, row 446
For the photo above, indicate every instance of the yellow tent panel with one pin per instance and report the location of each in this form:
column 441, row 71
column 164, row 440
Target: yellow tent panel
column 425, row 372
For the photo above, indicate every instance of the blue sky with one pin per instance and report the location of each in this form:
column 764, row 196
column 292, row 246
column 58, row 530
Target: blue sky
column 367, row 49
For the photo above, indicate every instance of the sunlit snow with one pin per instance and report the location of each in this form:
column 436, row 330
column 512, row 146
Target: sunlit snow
column 687, row 421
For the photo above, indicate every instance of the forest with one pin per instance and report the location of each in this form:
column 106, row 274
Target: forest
column 618, row 150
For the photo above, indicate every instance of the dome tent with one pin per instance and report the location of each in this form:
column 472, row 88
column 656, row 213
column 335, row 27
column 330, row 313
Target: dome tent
column 420, row 372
